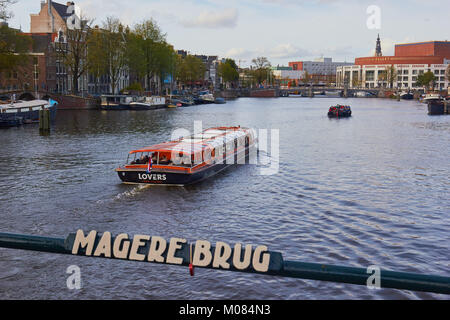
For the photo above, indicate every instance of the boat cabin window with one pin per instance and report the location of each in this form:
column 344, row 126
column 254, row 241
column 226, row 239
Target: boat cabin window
column 164, row 158
column 141, row 157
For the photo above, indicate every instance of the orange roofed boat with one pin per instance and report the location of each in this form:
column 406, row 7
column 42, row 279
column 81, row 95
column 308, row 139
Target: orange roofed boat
column 190, row 159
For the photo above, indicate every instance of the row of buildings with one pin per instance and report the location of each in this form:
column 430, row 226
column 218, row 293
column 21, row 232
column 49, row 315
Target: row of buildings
column 409, row 61
column 47, row 72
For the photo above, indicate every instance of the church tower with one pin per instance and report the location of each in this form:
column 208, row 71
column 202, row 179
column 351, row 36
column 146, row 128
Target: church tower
column 378, row 47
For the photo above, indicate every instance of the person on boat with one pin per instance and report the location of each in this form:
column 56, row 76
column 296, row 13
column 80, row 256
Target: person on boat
column 164, row 160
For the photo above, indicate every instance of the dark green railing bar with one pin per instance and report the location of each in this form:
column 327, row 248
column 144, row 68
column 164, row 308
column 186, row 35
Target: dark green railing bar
column 293, row 269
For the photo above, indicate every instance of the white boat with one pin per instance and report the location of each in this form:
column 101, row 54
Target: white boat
column 206, row 97
column 149, row 103
column 26, row 111
column 432, row 97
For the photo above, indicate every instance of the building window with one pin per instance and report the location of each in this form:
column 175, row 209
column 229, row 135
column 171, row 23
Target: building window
column 414, row 72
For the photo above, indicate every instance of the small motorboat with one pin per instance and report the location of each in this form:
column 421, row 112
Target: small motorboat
column 339, row 111
column 219, row 100
column 189, row 159
column 406, row 96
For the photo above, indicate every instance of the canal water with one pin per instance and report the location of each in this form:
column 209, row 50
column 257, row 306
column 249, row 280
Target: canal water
column 372, row 189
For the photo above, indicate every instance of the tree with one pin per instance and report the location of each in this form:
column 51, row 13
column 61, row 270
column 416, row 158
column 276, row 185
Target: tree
column 14, row 47
column 306, row 78
column 426, row 79
column 143, row 45
column 261, row 70
column 391, row 75
column 228, row 71
column 4, row 13
column 74, row 52
column 190, row 69
column 97, row 55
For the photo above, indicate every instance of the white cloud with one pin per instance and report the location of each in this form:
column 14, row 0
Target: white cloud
column 288, row 50
column 226, row 18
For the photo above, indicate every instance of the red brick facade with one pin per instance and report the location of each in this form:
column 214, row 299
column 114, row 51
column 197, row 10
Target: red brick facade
column 296, row 65
column 434, row 48
column 433, row 52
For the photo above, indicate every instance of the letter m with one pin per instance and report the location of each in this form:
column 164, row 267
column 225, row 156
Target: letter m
column 84, row 242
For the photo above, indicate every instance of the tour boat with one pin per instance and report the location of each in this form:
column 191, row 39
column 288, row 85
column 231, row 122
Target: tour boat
column 189, row 159
column 339, row 111
column 25, row 111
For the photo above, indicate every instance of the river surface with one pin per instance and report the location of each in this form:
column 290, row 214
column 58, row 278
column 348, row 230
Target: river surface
column 373, row 189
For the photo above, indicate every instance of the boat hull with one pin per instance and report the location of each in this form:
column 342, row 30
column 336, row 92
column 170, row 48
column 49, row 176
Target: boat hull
column 144, row 106
column 435, row 108
column 340, row 114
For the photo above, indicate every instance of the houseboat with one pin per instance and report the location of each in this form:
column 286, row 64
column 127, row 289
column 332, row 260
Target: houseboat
column 116, row 102
column 17, row 113
column 189, row 159
column 149, row 103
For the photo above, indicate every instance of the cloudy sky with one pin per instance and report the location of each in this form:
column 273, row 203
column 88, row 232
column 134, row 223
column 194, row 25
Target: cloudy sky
column 282, row 30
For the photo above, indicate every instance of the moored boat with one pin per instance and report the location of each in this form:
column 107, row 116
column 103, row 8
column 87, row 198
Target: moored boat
column 149, row 103
column 339, row 111
column 406, row 96
column 116, row 102
column 189, row 159
column 219, row 100
column 206, row 97
column 25, row 111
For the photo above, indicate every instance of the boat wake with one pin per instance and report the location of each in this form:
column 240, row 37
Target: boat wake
column 137, row 189
column 134, row 191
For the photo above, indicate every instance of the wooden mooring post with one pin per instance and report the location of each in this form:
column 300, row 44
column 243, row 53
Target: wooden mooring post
column 44, row 120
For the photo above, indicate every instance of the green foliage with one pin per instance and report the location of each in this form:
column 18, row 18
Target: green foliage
column 14, row 47
column 261, row 70
column 228, row 71
column 135, row 86
column 190, row 69
column 426, row 79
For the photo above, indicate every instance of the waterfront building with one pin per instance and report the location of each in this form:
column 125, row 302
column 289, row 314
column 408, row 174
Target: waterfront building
column 401, row 70
column 286, row 76
column 48, row 28
column 321, row 70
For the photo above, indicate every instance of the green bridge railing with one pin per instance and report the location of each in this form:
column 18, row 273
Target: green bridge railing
column 222, row 256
